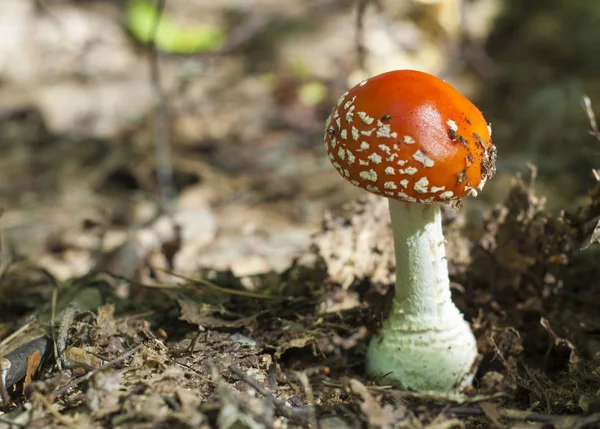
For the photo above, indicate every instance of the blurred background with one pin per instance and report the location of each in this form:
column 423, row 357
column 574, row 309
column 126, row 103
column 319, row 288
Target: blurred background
column 129, row 126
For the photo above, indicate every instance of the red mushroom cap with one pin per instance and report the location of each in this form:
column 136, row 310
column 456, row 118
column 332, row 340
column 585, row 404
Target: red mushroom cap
column 410, row 136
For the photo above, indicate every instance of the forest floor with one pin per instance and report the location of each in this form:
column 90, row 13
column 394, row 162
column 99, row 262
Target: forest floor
column 243, row 293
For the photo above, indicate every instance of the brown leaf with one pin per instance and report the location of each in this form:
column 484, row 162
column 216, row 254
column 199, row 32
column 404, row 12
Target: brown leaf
column 33, row 363
column 76, row 357
column 376, row 415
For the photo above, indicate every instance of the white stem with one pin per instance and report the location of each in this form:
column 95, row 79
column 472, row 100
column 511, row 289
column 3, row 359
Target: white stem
column 424, row 344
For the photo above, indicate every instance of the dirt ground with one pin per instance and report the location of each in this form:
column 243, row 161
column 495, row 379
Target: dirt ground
column 177, row 251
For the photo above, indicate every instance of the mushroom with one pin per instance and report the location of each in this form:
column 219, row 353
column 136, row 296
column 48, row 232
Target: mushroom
column 414, row 139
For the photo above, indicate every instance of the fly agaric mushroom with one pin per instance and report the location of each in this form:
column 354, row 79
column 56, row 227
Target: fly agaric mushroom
column 411, row 137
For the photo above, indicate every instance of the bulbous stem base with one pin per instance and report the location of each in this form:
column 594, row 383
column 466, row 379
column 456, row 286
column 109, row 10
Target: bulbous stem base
column 424, row 344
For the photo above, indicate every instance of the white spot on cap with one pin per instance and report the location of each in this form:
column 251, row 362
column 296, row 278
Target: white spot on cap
column 366, row 119
column 368, row 175
column 330, row 155
column 481, row 184
column 344, row 134
column 392, row 157
column 423, row 159
column 350, row 114
column 364, row 146
column 363, row 83
column 351, row 157
column 341, row 99
column 389, row 171
column 446, row 195
column 367, row 132
column 421, row 185
column 337, row 166
column 406, row 197
column 363, row 162
column 409, row 140
column 333, row 142
column 404, row 183
column 452, row 125
column 336, row 114
column 401, row 162
column 338, row 122
column 384, row 148
column 375, row 158
column 328, row 122
column 390, row 193
column 349, row 102
column 489, row 127
column 472, row 192
column 408, row 170
column 372, row 188
column 384, row 130
column 355, row 182
column 355, row 134
column 346, row 173
column 390, row 185
column 437, row 188
column 342, row 153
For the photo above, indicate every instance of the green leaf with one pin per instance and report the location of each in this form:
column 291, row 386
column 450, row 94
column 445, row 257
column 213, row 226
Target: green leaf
column 142, row 16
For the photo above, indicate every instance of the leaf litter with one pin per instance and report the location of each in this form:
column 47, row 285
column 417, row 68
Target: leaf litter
column 286, row 349
column 225, row 311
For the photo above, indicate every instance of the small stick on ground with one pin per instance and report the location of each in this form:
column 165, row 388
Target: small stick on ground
column 77, row 381
column 589, row 112
column 62, row 335
column 310, row 397
column 285, row 411
column 5, row 365
column 512, row 414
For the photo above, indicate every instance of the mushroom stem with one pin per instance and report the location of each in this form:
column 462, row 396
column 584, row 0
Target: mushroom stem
column 424, row 344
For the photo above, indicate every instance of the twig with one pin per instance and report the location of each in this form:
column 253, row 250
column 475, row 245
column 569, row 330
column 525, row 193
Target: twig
column 359, row 36
column 589, row 112
column 52, row 325
column 63, row 333
column 586, row 103
column 136, row 316
column 168, row 286
column 162, row 143
column 15, row 334
column 310, row 398
column 518, row 414
column 77, row 381
column 428, row 396
column 585, row 421
column 5, row 365
column 192, row 369
column 284, row 410
column 216, row 287
column 194, row 342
